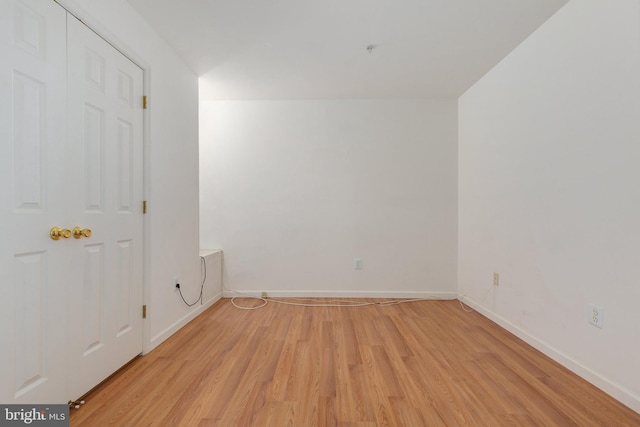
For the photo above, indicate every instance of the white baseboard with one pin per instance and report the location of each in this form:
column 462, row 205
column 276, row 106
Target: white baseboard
column 226, row 293
column 618, row 392
column 176, row 326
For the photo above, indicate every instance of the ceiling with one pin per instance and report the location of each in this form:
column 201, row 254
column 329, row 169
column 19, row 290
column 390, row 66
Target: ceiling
column 302, row 49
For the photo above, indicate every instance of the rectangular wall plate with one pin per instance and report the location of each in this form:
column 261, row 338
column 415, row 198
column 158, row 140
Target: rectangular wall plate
column 595, row 316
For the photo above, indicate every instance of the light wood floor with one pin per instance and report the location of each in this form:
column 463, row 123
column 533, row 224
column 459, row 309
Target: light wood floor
column 425, row 363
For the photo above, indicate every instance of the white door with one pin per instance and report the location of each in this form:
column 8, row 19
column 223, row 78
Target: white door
column 33, row 199
column 105, row 129
column 70, row 308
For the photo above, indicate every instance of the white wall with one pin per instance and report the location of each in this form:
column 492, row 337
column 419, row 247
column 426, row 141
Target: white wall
column 293, row 191
column 549, row 191
column 171, row 155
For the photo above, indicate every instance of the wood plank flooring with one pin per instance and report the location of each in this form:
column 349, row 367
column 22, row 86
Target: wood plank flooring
column 424, row 363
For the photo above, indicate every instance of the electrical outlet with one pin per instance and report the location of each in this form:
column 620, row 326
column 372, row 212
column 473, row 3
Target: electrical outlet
column 496, row 279
column 264, row 294
column 595, row 316
column 357, row 263
column 176, row 283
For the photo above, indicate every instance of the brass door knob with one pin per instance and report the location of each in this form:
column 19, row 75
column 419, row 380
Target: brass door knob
column 79, row 232
column 58, row 233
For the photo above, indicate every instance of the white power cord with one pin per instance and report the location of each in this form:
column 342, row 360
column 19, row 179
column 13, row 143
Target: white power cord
column 472, row 307
column 312, row 302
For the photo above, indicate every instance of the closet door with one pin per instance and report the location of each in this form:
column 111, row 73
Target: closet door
column 70, row 160
column 105, row 130
column 34, row 174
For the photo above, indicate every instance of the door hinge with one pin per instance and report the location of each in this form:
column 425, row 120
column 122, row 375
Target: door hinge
column 144, row 311
column 144, row 206
column 144, row 102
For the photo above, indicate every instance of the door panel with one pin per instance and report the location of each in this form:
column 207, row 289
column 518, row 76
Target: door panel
column 29, row 322
column 92, row 299
column 28, row 142
column 32, row 200
column 108, row 103
column 125, row 312
column 93, row 166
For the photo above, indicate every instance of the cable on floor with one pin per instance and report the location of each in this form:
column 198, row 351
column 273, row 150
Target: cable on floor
column 313, row 302
column 474, row 306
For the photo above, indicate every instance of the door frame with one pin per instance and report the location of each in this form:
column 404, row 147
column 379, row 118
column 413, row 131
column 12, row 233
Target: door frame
column 74, row 8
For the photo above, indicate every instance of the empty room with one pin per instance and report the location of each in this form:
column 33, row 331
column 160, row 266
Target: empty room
column 367, row 213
